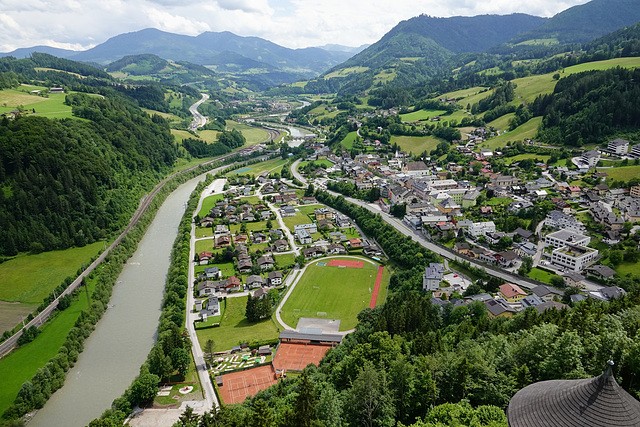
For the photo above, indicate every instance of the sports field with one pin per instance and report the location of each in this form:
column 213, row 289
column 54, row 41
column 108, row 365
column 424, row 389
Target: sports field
column 237, row 386
column 334, row 292
column 296, row 356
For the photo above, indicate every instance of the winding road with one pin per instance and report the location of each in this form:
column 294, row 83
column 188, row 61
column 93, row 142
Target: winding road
column 198, row 119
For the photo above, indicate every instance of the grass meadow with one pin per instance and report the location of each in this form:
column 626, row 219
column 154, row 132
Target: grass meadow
column 416, row 144
column 52, row 107
column 235, row 328
column 421, row 115
column 21, row 364
column 624, row 173
column 30, row 278
column 339, row 292
column 209, row 203
column 527, row 130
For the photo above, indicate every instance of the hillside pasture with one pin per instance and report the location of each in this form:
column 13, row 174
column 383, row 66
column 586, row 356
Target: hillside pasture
column 527, row 130
column 51, row 106
column 421, row 115
column 339, row 292
column 624, row 173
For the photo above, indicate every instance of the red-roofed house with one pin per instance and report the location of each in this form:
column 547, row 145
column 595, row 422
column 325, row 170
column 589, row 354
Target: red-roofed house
column 512, row 293
column 355, row 243
column 204, row 257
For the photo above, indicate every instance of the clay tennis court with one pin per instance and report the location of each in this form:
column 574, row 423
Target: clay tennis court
column 296, row 356
column 346, row 263
column 376, row 289
column 238, row 385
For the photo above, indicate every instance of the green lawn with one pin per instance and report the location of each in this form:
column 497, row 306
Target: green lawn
column 30, row 278
column 204, row 245
column 235, row 328
column 252, row 135
column 228, row 269
column 209, row 203
column 502, row 122
column 251, row 226
column 252, row 200
column 20, row 365
column 298, row 219
column 527, row 130
column 421, row 115
column 348, row 140
column 285, row 259
column 339, row 292
column 204, row 232
column 541, row 275
column 416, row 144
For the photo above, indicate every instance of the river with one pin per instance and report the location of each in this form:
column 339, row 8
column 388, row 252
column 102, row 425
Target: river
column 117, row 348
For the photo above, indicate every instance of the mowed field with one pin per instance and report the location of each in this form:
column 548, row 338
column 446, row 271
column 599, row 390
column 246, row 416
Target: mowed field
column 527, row 130
column 624, row 173
column 421, row 115
column 235, row 328
column 416, row 144
column 30, row 278
column 341, row 293
column 52, row 107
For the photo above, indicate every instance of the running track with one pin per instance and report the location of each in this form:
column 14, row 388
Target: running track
column 376, row 289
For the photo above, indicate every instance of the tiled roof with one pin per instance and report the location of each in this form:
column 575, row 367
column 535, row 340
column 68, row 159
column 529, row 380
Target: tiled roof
column 592, row 402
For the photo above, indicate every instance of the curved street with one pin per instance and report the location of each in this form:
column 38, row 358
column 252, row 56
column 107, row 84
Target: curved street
column 198, row 119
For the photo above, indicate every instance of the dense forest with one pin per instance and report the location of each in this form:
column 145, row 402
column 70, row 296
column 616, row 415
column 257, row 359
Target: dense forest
column 70, row 182
column 590, row 106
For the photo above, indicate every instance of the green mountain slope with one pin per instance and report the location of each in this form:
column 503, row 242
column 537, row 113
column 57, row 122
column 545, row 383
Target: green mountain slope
column 586, row 22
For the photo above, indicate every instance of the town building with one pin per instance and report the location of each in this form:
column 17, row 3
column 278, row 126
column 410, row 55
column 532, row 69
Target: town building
column 573, row 258
column 432, row 277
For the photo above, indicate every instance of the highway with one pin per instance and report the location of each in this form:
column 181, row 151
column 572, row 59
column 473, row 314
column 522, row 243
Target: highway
column 198, row 119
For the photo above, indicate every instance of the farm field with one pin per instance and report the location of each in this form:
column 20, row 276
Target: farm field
column 421, row 115
column 180, row 135
column 20, row 365
column 416, row 144
column 253, row 135
column 502, row 123
column 235, row 328
column 348, row 140
column 30, row 278
column 339, row 292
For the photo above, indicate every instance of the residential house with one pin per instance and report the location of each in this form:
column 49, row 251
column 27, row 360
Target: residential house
column 287, row 211
column 525, row 249
column 275, row 278
column 281, row 245
column 512, row 293
column 245, row 265
column 323, row 213
column 255, row 281
column 233, row 284
column 265, row 262
column 336, row 249
column 259, row 237
column 602, row 271
column 313, row 252
column 355, row 243
column 547, row 293
column 607, row 294
column 204, row 257
column 212, row 273
column 416, row 169
column 499, row 308
column 223, row 241
column 572, row 278
column 462, row 248
column 531, row 301
column 240, row 238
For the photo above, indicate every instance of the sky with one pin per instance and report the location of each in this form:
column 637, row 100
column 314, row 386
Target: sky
column 82, row 24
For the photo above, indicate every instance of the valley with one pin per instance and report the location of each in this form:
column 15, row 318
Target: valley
column 433, row 225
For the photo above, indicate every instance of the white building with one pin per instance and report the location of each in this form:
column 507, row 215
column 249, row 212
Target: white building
column 562, row 238
column 478, row 229
column 304, row 237
column 590, row 158
column 432, row 277
column 311, row 228
column 635, row 152
column 573, row 258
column 618, row 146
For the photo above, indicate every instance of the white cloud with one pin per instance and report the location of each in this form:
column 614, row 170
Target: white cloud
column 291, row 23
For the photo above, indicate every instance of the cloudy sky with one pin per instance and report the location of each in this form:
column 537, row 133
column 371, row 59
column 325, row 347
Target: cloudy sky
column 81, row 24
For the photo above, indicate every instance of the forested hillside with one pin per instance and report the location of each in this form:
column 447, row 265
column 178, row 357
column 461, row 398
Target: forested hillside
column 71, row 182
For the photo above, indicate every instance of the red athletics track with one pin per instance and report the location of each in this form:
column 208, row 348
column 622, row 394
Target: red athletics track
column 376, row 289
column 345, row 263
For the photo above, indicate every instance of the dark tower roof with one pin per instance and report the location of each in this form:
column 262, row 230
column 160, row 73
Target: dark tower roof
column 592, row 402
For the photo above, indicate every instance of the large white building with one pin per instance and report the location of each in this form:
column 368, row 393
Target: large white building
column 618, row 146
column 562, row 238
column 573, row 258
column 432, row 277
column 478, row 229
column 591, row 158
